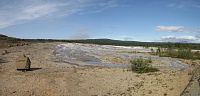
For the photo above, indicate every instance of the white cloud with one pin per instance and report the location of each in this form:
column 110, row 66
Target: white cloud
column 170, row 28
column 181, row 39
column 21, row 11
column 184, row 4
column 104, row 5
column 177, row 5
column 38, row 11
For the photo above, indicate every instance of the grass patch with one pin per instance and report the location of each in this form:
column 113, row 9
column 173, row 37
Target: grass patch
column 142, row 66
column 129, row 52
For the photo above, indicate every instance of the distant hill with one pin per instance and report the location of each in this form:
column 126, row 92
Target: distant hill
column 6, row 37
column 6, row 41
column 104, row 42
column 3, row 36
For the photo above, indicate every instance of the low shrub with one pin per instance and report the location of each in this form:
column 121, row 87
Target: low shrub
column 142, row 65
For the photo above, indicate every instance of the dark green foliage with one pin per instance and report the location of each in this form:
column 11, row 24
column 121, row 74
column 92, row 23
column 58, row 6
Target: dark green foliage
column 142, row 65
column 152, row 51
column 158, row 51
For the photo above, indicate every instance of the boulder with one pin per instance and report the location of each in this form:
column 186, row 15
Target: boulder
column 23, row 63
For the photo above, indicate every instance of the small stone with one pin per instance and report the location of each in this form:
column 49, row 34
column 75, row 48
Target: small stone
column 14, row 91
column 149, row 92
column 171, row 88
column 5, row 52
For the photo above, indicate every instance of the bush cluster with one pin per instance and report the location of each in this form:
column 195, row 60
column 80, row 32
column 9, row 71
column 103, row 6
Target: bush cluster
column 142, row 65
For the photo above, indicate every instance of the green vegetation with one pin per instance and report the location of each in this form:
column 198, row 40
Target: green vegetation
column 177, row 53
column 142, row 66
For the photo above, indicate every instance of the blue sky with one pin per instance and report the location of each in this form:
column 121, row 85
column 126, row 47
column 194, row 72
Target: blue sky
column 140, row 20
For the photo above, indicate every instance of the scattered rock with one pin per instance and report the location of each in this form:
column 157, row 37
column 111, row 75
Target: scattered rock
column 171, row 88
column 10, row 45
column 130, row 89
column 5, row 52
column 164, row 85
column 139, row 84
column 149, row 92
column 23, row 63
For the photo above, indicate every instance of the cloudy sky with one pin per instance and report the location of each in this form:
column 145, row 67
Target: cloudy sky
column 140, row 20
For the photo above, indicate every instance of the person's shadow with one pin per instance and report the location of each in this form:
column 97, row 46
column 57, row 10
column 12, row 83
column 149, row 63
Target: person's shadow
column 31, row 69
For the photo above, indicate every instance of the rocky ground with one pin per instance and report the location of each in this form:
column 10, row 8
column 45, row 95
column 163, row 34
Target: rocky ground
column 89, row 70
